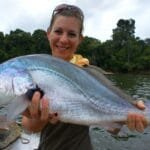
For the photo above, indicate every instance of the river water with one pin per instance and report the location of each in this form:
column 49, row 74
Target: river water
column 137, row 86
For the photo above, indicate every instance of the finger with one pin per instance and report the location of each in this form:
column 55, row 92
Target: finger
column 34, row 107
column 140, row 104
column 139, row 123
column 44, row 110
column 131, row 122
column 145, row 122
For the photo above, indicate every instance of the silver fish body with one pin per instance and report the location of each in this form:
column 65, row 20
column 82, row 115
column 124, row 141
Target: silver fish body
column 74, row 94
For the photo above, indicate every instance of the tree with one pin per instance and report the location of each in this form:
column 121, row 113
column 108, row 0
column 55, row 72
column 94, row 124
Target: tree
column 3, row 56
column 123, row 53
column 125, row 30
column 40, row 42
column 87, row 48
column 147, row 41
column 2, row 44
column 123, row 42
column 18, row 43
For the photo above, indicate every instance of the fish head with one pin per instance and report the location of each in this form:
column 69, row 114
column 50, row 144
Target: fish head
column 14, row 82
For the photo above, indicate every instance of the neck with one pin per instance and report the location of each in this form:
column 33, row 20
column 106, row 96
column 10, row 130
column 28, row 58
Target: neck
column 64, row 58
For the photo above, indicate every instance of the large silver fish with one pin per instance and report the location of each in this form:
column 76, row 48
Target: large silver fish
column 73, row 93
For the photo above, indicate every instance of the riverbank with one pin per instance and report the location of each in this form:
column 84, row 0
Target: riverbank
column 140, row 72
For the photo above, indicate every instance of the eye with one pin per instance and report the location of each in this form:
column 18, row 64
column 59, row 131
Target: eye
column 72, row 34
column 58, row 32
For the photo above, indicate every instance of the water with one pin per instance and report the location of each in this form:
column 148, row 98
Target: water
column 139, row 87
column 135, row 85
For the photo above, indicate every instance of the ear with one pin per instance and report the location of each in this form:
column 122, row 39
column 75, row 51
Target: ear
column 48, row 35
column 81, row 38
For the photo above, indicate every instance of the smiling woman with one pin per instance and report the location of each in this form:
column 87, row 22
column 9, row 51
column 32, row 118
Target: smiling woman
column 64, row 35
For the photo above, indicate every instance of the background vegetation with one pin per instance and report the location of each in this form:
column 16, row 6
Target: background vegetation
column 122, row 53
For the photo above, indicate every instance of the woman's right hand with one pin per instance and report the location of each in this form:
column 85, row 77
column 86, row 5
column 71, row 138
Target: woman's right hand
column 37, row 115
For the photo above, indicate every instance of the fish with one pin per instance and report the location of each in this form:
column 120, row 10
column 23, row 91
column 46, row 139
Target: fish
column 74, row 93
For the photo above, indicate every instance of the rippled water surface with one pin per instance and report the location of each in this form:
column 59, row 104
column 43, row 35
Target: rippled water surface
column 139, row 87
column 135, row 85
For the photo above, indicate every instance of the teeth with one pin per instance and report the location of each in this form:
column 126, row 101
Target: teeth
column 62, row 48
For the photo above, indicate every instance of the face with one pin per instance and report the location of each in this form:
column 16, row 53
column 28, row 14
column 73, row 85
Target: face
column 64, row 37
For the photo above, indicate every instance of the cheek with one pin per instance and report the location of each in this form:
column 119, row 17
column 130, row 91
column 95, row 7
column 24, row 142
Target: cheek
column 51, row 38
column 52, row 42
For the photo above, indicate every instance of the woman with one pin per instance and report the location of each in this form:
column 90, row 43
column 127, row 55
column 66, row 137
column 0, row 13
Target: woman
column 64, row 35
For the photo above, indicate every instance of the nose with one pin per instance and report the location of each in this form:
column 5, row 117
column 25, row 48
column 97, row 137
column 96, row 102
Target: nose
column 64, row 38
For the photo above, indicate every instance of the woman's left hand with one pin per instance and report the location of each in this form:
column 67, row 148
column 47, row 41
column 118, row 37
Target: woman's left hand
column 137, row 121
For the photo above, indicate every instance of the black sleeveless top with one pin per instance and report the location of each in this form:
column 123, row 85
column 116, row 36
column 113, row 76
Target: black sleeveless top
column 63, row 136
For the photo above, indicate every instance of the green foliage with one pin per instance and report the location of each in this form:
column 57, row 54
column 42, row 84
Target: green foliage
column 123, row 53
column 19, row 42
column 128, row 51
column 3, row 55
column 87, row 45
column 2, row 45
column 40, row 42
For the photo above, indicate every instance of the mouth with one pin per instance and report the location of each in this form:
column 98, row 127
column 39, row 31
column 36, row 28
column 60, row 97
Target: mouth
column 62, row 48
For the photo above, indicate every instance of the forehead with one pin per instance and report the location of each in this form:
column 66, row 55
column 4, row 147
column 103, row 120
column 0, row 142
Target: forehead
column 67, row 23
